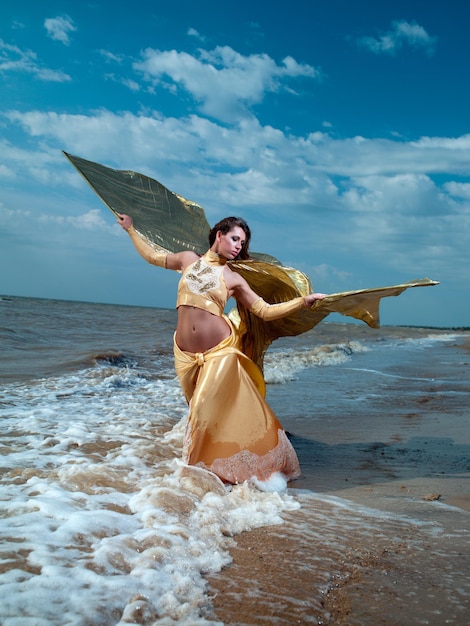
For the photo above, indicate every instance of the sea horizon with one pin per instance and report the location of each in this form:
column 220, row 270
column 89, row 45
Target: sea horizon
column 338, row 319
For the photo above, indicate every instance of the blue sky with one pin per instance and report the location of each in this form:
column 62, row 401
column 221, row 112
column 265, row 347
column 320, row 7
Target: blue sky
column 340, row 130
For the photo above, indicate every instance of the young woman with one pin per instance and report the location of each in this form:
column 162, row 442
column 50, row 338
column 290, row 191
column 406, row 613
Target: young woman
column 231, row 429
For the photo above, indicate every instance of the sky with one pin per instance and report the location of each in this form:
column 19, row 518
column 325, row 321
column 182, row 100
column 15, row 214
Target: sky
column 339, row 130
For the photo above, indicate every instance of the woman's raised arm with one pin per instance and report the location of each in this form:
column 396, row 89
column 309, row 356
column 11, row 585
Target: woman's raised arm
column 160, row 258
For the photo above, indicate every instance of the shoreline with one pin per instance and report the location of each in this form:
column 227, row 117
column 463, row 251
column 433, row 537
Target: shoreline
column 270, row 580
column 405, row 468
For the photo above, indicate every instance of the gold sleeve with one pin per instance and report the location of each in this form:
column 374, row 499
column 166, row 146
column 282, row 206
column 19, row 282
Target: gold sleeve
column 269, row 312
column 146, row 251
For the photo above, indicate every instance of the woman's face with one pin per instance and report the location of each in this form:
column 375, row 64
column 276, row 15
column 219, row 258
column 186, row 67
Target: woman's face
column 230, row 244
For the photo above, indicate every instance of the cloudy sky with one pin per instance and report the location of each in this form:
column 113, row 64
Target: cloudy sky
column 340, row 130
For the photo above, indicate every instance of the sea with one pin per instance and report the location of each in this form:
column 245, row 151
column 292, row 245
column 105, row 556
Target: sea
column 102, row 524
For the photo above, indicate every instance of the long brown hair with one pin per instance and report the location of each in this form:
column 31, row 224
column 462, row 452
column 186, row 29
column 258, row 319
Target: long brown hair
column 226, row 226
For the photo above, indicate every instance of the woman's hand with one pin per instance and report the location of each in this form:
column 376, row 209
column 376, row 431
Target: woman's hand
column 313, row 297
column 125, row 221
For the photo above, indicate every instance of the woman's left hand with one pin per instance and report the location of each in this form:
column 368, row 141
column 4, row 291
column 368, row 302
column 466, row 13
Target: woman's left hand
column 313, row 297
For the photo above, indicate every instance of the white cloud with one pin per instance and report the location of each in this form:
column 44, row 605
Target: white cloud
column 192, row 32
column 36, row 167
column 373, row 199
column 91, row 220
column 402, row 33
column 111, row 56
column 52, row 76
column 13, row 59
column 130, row 84
column 458, row 190
column 252, row 152
column 222, row 81
column 444, row 143
column 6, row 172
column 323, row 272
column 358, row 155
column 59, row 28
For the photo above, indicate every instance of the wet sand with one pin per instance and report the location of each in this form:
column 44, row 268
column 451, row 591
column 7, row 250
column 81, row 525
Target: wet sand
column 407, row 577
column 414, row 468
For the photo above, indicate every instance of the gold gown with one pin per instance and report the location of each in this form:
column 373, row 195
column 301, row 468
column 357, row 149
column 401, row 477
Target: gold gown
column 231, row 429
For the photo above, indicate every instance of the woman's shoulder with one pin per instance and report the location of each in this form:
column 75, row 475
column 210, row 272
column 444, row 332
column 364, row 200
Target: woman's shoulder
column 233, row 279
column 180, row 261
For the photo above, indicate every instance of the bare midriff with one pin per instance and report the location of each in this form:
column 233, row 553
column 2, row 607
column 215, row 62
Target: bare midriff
column 198, row 330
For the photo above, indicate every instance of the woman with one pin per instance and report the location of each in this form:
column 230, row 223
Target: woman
column 231, row 429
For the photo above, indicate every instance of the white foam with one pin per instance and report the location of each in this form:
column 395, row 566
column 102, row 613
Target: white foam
column 427, row 341
column 282, row 366
column 102, row 522
column 275, row 483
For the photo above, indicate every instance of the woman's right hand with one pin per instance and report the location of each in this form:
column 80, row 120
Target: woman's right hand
column 125, row 221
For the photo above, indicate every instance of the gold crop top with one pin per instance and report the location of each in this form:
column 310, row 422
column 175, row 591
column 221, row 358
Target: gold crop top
column 202, row 284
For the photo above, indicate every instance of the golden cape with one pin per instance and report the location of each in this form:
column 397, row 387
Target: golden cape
column 173, row 223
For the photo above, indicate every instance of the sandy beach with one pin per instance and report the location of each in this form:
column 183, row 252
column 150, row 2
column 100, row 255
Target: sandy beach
column 394, row 582
column 413, row 468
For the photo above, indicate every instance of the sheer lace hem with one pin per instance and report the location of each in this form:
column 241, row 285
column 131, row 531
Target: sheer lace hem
column 245, row 464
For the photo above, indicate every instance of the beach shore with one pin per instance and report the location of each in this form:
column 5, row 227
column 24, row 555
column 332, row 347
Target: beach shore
column 100, row 526
column 412, row 468
column 406, row 578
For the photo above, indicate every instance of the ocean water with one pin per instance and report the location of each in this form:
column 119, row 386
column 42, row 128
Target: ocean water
column 102, row 524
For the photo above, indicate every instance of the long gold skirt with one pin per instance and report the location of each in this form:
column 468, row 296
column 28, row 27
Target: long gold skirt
column 231, row 429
